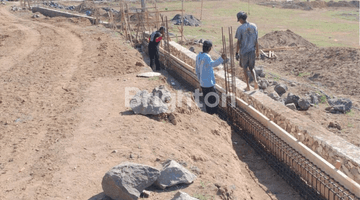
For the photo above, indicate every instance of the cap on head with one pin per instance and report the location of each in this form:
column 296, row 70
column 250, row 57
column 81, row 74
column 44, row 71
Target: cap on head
column 241, row 15
column 207, row 44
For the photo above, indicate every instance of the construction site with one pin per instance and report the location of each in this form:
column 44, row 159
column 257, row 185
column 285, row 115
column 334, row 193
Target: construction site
column 83, row 115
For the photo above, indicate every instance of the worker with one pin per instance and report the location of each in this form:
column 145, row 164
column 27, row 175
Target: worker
column 247, row 46
column 153, row 47
column 205, row 74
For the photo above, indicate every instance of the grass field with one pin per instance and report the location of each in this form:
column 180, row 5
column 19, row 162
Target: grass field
column 323, row 27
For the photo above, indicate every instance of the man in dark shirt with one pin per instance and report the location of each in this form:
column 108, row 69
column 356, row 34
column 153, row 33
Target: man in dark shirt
column 154, row 41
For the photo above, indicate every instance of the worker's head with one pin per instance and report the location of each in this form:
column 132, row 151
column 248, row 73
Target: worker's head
column 207, row 45
column 162, row 30
column 241, row 16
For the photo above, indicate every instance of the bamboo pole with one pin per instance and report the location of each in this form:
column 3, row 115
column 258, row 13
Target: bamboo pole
column 201, row 9
column 130, row 35
column 182, row 20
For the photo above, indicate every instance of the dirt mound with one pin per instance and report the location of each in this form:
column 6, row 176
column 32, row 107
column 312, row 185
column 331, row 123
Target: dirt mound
column 189, row 20
column 84, row 6
column 284, row 38
column 336, row 67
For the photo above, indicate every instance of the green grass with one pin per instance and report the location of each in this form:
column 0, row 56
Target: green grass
column 304, row 74
column 350, row 113
column 324, row 28
column 155, row 78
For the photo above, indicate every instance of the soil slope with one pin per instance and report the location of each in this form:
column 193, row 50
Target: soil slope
column 64, row 123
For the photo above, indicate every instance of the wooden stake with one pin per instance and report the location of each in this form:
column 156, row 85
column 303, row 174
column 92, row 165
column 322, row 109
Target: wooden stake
column 130, row 35
column 182, row 20
column 201, row 9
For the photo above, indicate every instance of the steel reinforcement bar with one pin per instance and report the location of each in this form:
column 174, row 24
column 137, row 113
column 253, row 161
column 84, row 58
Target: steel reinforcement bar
column 299, row 172
column 305, row 177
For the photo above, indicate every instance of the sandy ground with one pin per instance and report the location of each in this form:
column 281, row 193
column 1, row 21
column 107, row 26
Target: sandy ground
column 333, row 70
column 64, row 123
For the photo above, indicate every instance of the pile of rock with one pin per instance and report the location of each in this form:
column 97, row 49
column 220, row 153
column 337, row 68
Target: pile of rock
column 129, row 180
column 339, row 105
column 189, row 20
column 154, row 103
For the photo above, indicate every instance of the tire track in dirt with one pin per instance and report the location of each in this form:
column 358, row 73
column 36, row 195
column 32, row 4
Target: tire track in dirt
column 12, row 53
column 34, row 98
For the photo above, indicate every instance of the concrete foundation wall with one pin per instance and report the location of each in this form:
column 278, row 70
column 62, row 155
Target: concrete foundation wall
column 57, row 13
column 329, row 146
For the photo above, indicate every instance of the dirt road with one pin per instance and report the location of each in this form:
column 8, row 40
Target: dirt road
column 63, row 115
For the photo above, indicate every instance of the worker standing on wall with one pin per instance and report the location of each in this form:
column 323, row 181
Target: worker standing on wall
column 247, row 35
column 153, row 47
column 205, row 74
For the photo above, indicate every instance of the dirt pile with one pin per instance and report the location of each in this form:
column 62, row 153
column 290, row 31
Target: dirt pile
column 337, row 67
column 85, row 6
column 284, row 38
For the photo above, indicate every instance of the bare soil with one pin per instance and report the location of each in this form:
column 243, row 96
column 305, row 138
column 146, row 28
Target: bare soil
column 333, row 70
column 64, row 123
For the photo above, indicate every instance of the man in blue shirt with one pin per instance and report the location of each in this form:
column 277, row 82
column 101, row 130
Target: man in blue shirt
column 205, row 73
column 247, row 35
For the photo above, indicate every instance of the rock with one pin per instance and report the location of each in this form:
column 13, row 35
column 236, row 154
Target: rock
column 281, row 89
column 139, row 64
column 303, row 104
column 314, row 99
column 147, row 104
column 172, row 119
column 145, row 194
column 274, row 83
column 292, row 106
column 163, row 93
column 262, row 75
column 342, row 105
column 292, row 98
column 259, row 70
column 274, row 96
column 183, row 196
column 334, row 125
column 263, row 85
column 172, row 174
column 192, row 49
column 127, row 180
column 293, row 84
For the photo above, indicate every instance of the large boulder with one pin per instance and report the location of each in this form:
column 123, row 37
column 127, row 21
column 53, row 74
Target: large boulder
column 292, row 98
column 281, row 89
column 341, row 105
column 147, row 104
column 163, row 93
column 183, row 196
column 172, row 174
column 304, row 104
column 127, row 180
